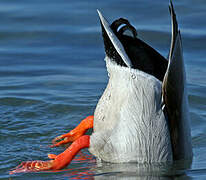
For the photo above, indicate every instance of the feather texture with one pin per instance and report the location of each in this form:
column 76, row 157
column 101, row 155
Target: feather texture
column 129, row 123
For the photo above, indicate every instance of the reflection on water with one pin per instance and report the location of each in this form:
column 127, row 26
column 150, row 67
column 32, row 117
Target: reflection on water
column 158, row 171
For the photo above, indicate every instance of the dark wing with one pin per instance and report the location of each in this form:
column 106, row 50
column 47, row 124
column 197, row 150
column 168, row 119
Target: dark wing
column 130, row 51
column 141, row 55
column 173, row 90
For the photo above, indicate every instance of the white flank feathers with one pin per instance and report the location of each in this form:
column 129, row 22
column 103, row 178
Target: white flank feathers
column 129, row 124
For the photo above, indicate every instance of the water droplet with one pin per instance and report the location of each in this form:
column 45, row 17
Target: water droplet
column 133, row 76
column 108, row 97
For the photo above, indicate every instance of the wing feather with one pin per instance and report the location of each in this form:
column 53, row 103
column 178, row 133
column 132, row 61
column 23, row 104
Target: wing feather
column 175, row 94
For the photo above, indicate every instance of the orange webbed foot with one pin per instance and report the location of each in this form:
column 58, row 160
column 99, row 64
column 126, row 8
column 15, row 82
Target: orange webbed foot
column 58, row 161
column 74, row 134
column 32, row 166
column 66, row 138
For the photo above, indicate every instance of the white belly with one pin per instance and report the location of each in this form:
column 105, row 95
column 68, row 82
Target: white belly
column 129, row 124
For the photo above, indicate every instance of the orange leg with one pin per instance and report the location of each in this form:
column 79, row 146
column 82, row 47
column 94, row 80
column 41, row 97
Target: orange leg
column 59, row 161
column 74, row 134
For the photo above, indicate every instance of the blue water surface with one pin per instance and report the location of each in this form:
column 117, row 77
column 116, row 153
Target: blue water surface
column 52, row 73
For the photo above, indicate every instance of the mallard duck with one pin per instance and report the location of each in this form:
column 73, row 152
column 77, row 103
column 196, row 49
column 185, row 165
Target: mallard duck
column 142, row 116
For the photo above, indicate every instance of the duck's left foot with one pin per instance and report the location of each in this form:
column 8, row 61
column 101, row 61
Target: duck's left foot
column 74, row 134
column 59, row 161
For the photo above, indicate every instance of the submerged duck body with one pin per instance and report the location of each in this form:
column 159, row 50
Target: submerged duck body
column 142, row 115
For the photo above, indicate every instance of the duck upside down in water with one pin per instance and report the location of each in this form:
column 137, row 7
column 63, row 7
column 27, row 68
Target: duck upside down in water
column 142, row 115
